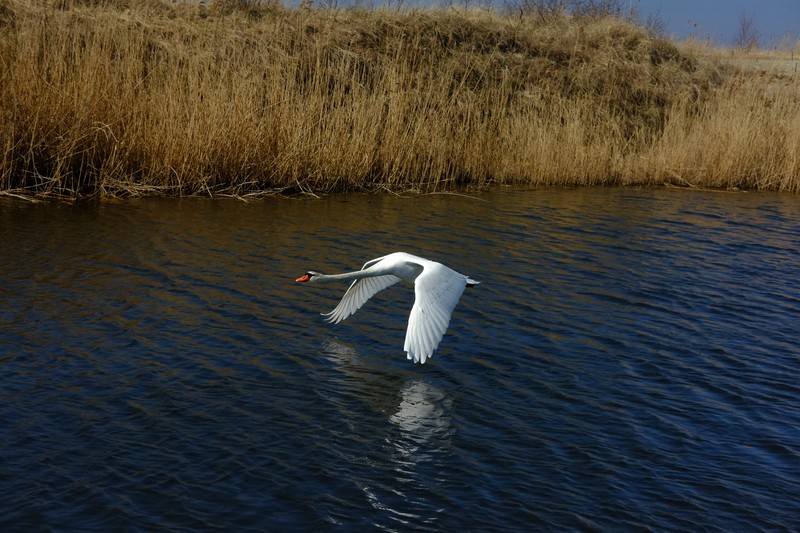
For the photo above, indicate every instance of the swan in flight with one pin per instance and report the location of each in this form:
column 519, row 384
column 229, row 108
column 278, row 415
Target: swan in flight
column 437, row 288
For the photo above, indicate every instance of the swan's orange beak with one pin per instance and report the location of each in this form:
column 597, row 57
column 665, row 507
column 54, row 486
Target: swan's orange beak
column 303, row 278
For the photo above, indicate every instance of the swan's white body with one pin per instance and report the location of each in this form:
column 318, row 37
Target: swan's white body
column 437, row 288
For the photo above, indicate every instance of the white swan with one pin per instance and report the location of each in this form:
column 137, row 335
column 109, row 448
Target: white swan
column 437, row 287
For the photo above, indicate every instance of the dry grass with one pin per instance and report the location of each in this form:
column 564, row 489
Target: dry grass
column 106, row 98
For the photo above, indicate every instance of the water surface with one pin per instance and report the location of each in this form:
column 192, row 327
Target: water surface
column 630, row 362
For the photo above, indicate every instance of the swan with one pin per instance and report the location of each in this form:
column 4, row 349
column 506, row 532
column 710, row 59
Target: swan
column 437, row 288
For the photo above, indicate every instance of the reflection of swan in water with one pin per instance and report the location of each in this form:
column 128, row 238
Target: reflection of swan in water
column 423, row 417
column 423, row 413
column 414, row 419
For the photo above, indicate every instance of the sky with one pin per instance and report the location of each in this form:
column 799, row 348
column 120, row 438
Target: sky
column 776, row 21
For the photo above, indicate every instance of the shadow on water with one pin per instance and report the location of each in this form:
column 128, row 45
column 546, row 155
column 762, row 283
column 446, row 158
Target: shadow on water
column 627, row 363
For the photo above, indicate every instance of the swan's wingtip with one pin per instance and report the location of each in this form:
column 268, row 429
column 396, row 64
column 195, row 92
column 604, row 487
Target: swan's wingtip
column 330, row 318
column 418, row 358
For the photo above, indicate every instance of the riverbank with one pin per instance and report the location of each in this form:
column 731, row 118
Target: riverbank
column 188, row 99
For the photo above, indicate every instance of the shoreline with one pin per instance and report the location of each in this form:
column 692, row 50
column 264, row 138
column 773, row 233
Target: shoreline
column 22, row 196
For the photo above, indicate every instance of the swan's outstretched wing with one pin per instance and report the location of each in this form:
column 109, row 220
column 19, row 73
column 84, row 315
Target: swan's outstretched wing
column 438, row 290
column 359, row 292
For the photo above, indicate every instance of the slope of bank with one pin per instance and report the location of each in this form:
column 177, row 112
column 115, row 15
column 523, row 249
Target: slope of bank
column 182, row 99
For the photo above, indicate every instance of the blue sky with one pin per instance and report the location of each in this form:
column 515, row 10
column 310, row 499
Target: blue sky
column 719, row 19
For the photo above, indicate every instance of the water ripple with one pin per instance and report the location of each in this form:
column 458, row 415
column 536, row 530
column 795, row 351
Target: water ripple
column 627, row 363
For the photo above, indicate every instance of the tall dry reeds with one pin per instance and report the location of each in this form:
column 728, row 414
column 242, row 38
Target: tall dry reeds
column 117, row 98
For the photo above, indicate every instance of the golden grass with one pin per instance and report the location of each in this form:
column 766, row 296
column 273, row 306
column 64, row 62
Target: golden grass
column 110, row 98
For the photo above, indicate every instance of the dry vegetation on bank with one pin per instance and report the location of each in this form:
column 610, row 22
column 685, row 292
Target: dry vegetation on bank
column 228, row 98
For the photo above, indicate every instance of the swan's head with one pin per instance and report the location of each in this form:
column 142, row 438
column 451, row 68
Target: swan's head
column 309, row 276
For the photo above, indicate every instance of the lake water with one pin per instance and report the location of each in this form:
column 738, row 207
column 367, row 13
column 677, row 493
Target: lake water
column 630, row 361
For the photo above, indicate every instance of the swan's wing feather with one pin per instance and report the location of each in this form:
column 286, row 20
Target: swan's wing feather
column 359, row 292
column 438, row 290
column 373, row 261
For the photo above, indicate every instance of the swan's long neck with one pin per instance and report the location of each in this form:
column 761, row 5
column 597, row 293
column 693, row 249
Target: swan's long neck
column 386, row 266
column 371, row 272
column 358, row 274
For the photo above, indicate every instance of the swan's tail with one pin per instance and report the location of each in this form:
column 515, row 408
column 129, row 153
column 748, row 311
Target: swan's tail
column 471, row 282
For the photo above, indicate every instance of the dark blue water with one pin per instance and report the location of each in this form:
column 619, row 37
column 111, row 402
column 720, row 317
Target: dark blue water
column 630, row 362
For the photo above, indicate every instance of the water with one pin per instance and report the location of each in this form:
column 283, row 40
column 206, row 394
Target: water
column 630, row 362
